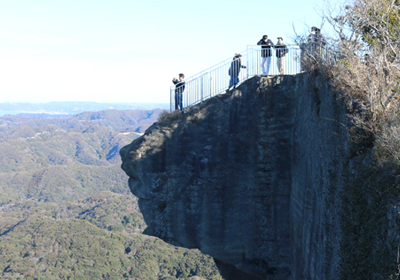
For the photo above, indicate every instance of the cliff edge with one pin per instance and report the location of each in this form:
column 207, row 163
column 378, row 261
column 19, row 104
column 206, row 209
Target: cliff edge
column 251, row 177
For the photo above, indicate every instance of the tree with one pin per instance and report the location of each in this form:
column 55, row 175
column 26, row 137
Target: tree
column 362, row 61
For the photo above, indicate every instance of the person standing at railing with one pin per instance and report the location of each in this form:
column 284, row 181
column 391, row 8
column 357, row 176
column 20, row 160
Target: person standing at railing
column 281, row 51
column 311, row 50
column 315, row 42
column 266, row 53
column 179, row 88
column 234, row 70
column 316, row 37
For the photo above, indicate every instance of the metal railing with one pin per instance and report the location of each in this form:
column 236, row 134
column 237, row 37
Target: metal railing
column 291, row 61
column 217, row 79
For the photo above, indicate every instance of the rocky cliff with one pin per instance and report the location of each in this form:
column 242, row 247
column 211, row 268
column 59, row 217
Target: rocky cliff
column 253, row 177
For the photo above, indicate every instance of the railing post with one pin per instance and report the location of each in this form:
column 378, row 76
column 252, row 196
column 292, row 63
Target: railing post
column 211, row 85
column 247, row 62
column 201, row 87
column 171, row 100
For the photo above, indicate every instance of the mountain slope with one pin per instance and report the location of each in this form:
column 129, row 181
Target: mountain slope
column 65, row 211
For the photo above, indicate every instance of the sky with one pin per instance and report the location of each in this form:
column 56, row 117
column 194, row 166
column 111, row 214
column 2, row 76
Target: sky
column 129, row 50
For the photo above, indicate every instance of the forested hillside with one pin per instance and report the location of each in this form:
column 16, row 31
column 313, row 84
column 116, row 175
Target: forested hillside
column 65, row 207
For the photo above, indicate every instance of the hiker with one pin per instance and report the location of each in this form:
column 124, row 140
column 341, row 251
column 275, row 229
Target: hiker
column 311, row 50
column 266, row 53
column 281, row 51
column 316, row 37
column 315, row 42
column 179, row 88
column 234, row 70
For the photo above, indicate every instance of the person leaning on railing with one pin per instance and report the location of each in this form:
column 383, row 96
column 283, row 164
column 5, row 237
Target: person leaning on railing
column 266, row 53
column 179, row 88
column 234, row 70
column 281, row 51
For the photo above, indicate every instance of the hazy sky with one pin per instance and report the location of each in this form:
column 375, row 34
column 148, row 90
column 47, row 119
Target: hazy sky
column 129, row 50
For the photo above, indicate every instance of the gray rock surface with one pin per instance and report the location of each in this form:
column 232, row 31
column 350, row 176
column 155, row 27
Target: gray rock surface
column 247, row 177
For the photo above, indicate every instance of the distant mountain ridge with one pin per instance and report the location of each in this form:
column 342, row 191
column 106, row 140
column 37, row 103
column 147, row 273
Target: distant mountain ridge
column 119, row 120
column 44, row 115
column 71, row 107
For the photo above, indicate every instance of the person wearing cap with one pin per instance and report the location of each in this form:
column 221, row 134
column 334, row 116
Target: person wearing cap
column 281, row 51
column 179, row 88
column 234, row 70
column 266, row 53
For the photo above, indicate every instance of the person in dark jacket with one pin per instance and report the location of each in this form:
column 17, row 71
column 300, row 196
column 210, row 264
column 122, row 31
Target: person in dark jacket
column 312, row 49
column 234, row 70
column 179, row 88
column 316, row 37
column 316, row 42
column 281, row 51
column 266, row 53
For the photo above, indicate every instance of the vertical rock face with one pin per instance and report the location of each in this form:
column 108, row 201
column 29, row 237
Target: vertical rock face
column 246, row 177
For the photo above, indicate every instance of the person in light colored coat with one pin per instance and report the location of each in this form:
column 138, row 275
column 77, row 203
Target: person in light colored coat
column 280, row 51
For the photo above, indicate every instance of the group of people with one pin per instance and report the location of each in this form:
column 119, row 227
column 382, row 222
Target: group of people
column 267, row 48
column 266, row 53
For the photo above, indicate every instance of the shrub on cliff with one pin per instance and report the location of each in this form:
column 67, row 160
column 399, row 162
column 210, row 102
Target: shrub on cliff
column 362, row 61
column 166, row 117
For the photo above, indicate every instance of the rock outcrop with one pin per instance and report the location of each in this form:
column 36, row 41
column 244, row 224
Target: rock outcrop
column 250, row 177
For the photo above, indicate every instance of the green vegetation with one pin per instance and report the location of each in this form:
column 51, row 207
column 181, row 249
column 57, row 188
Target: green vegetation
column 165, row 117
column 65, row 207
column 361, row 63
column 388, row 10
column 94, row 238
